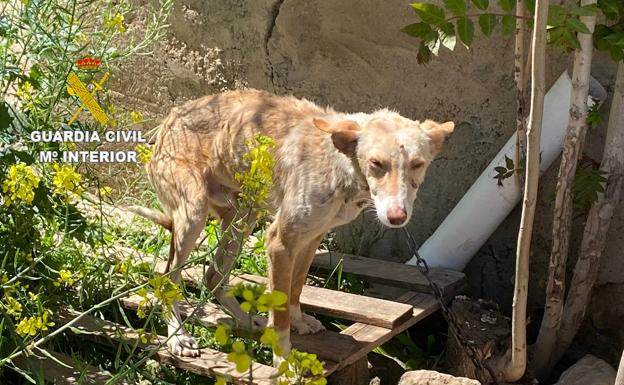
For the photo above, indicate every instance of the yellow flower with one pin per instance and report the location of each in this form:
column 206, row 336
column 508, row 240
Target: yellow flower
column 141, row 335
column 144, row 152
column 66, row 180
column 165, row 292
column 105, row 191
column 65, row 278
column 20, row 184
column 302, row 365
column 221, row 334
column 239, row 356
column 256, row 299
column 114, row 22
column 143, row 303
column 13, row 307
column 256, row 182
column 32, row 325
column 136, row 116
column 270, row 338
column 24, row 91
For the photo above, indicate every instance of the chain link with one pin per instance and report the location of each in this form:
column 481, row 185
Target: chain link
column 454, row 327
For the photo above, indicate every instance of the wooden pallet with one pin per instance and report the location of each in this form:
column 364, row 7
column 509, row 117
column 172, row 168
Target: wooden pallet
column 375, row 320
column 63, row 370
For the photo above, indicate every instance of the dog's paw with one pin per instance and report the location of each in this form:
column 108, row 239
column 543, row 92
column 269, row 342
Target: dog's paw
column 183, row 345
column 306, row 324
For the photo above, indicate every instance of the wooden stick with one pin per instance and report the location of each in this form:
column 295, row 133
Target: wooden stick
column 597, row 224
column 512, row 370
column 563, row 210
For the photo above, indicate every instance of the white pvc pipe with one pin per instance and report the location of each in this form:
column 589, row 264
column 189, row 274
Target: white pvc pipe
column 482, row 209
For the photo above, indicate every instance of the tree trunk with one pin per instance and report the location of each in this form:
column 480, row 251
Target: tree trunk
column 619, row 379
column 563, row 210
column 598, row 223
column 513, row 369
column 520, row 78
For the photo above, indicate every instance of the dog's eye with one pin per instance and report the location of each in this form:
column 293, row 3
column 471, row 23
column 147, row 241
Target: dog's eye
column 376, row 163
column 415, row 165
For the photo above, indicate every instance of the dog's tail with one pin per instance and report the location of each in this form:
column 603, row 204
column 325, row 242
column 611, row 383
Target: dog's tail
column 153, row 215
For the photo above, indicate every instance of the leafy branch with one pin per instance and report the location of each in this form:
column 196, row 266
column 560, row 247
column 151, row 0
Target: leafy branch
column 438, row 28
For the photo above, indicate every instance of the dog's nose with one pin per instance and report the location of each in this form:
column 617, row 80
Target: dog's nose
column 396, row 215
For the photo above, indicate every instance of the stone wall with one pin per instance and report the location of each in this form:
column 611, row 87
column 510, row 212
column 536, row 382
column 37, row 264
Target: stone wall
column 350, row 54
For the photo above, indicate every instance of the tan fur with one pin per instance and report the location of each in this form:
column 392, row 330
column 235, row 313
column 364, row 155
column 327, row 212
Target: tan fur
column 329, row 166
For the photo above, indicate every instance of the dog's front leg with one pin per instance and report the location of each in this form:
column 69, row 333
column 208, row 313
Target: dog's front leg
column 280, row 276
column 300, row 322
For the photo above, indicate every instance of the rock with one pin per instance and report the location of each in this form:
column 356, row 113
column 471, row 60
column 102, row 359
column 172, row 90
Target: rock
column 589, row 370
column 430, row 377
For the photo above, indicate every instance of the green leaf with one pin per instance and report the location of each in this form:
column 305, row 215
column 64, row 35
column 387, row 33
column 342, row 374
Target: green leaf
column 487, row 22
column 509, row 24
column 616, row 39
column 5, row 117
column 586, row 10
column 419, row 30
column 447, row 36
column 530, row 4
column 571, row 40
column 617, row 54
column 481, row 4
column 500, row 169
column 556, row 16
column 610, row 8
column 577, row 25
column 600, row 34
column 433, row 45
column 429, row 13
column 507, row 5
column 509, row 163
column 465, row 30
column 457, row 7
column 424, row 54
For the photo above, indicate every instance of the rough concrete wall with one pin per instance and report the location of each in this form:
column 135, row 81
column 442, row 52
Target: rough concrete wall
column 350, row 54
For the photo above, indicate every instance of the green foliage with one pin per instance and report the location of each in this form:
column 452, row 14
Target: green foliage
column 507, row 171
column 588, row 183
column 50, row 253
column 437, row 28
column 594, row 117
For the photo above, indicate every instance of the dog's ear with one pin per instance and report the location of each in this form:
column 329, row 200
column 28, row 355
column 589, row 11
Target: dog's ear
column 437, row 132
column 344, row 133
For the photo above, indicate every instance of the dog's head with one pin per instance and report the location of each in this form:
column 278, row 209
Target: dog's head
column 393, row 153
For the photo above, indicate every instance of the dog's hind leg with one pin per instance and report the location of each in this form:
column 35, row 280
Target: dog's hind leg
column 229, row 248
column 188, row 221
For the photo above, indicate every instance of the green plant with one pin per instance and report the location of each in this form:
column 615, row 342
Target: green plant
column 437, row 28
column 49, row 251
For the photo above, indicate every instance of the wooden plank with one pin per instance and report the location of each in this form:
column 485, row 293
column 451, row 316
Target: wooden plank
column 329, row 346
column 77, row 373
column 353, row 307
column 209, row 363
column 391, row 273
column 208, row 314
column 369, row 336
column 352, row 344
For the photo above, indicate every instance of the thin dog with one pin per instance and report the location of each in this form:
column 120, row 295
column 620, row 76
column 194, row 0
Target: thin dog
column 328, row 167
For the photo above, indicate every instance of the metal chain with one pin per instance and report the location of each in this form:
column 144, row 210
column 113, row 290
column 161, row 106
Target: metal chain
column 454, row 327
